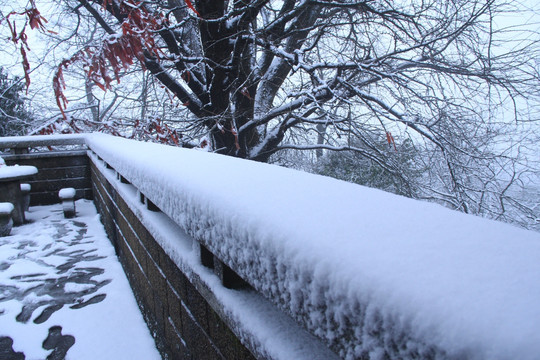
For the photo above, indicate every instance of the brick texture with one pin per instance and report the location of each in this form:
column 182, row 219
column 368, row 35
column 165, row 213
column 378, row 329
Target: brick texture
column 183, row 323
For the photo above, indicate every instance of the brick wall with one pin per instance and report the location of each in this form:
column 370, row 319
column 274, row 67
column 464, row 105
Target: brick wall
column 183, row 322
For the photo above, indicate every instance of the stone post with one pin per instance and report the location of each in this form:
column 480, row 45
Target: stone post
column 67, row 196
column 6, row 222
column 25, row 196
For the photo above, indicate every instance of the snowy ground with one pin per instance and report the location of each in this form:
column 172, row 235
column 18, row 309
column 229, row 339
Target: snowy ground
column 64, row 293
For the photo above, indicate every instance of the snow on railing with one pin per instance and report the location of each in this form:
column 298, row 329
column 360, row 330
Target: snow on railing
column 371, row 273
column 367, row 271
column 17, row 142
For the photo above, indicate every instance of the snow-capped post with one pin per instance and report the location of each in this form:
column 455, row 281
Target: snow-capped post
column 151, row 206
column 6, row 223
column 20, row 151
column 207, row 258
column 141, row 197
column 25, row 196
column 122, row 179
column 144, row 200
column 229, row 278
column 67, row 196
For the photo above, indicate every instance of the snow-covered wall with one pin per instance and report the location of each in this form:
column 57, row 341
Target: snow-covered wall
column 369, row 272
column 374, row 275
column 189, row 311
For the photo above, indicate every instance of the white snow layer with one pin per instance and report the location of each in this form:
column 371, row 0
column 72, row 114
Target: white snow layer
column 269, row 332
column 369, row 272
column 66, row 193
column 13, row 172
column 6, row 208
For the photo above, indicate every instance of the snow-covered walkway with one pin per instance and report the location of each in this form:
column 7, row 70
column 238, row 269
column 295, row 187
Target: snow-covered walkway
column 63, row 293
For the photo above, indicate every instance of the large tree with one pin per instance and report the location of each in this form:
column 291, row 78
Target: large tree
column 250, row 71
column 261, row 76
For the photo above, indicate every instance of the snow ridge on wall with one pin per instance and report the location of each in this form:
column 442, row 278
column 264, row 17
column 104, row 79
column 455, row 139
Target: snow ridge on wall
column 373, row 274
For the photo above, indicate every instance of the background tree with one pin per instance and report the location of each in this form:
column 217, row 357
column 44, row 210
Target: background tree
column 252, row 71
column 353, row 166
column 15, row 117
column 259, row 77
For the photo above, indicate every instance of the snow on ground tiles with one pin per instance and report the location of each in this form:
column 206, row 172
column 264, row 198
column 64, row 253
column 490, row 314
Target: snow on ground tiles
column 369, row 271
column 64, row 294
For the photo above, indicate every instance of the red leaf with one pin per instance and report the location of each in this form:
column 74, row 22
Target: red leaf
column 390, row 140
column 190, row 5
column 35, row 19
column 26, row 68
column 245, row 92
column 235, row 133
column 186, row 76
